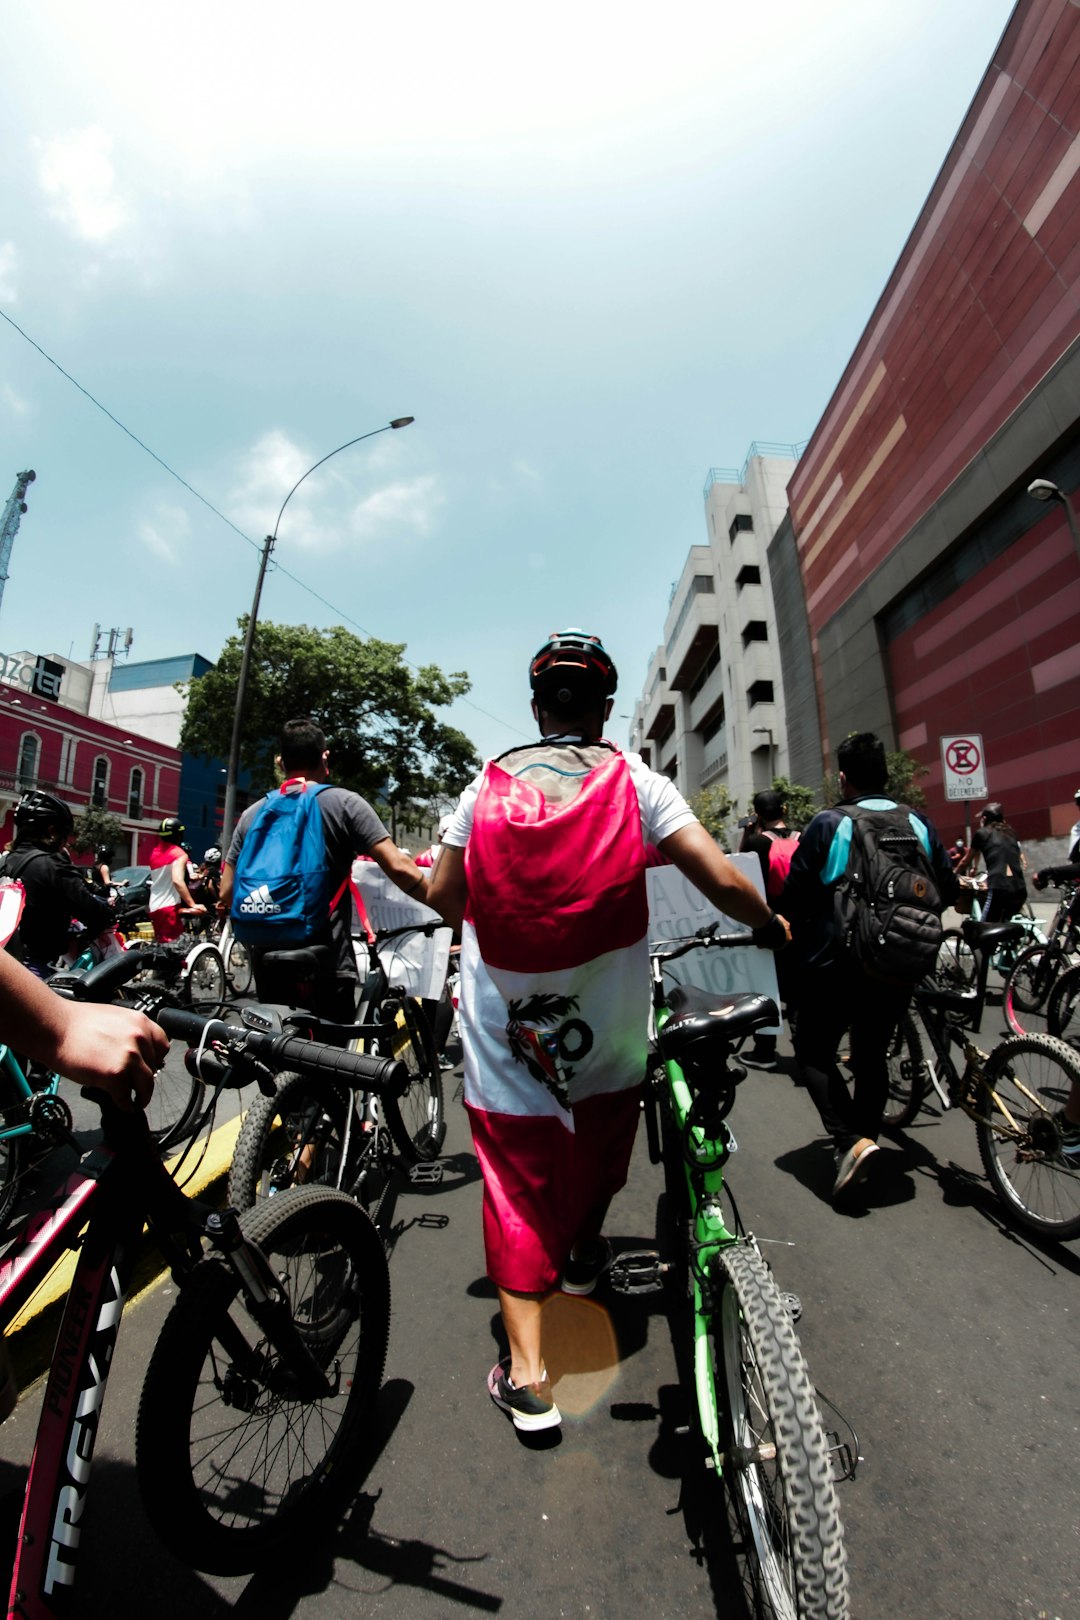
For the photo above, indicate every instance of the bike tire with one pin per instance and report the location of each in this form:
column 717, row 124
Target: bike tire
column 776, row 1454
column 204, row 980
column 307, row 1134
column 416, row 1120
column 239, row 968
column 907, row 1075
column 956, row 967
column 232, row 1464
column 1031, row 1077
column 1028, row 986
column 1063, row 1008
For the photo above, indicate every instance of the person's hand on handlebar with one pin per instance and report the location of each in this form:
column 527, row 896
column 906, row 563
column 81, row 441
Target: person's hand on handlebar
column 112, row 1048
column 775, row 935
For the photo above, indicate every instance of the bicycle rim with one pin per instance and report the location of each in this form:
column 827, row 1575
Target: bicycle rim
column 1063, row 1010
column 777, row 1460
column 1027, row 988
column 238, row 967
column 206, row 980
column 229, row 1456
column 416, row 1119
column 956, row 968
column 907, row 1075
column 307, row 1134
column 1025, row 1085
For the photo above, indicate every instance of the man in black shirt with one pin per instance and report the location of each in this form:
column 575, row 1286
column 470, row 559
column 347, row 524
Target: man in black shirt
column 55, row 891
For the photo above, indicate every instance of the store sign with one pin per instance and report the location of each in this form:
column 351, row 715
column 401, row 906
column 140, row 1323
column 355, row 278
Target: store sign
column 963, row 766
column 43, row 677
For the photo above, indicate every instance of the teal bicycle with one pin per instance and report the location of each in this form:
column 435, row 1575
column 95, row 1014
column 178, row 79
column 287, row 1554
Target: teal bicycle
column 756, row 1406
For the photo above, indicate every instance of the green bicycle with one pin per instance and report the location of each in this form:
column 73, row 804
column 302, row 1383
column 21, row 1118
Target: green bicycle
column 757, row 1411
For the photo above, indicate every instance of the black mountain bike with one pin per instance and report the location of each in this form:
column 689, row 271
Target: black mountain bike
column 258, row 1391
column 343, row 1135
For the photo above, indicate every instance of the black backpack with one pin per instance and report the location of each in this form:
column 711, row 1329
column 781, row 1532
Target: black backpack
column 888, row 903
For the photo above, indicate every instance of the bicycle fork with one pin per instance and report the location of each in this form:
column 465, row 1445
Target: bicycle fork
column 269, row 1308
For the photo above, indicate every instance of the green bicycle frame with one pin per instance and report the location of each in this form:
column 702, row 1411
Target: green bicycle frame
column 710, row 1234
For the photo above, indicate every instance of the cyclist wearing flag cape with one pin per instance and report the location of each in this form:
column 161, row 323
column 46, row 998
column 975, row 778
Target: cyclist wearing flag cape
column 543, row 870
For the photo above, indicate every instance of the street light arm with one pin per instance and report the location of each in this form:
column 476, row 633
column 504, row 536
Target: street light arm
column 398, row 422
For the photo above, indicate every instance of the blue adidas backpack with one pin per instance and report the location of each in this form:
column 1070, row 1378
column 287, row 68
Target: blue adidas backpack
column 282, row 889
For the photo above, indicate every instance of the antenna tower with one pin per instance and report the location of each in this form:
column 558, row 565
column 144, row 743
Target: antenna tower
column 9, row 524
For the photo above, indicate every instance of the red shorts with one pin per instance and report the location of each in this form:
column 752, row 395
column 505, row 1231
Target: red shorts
column 166, row 924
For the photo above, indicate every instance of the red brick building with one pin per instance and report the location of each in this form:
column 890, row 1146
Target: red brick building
column 83, row 761
column 921, row 590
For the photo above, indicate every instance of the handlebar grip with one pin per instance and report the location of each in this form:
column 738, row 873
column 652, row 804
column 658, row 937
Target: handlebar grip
column 188, row 1026
column 314, row 1060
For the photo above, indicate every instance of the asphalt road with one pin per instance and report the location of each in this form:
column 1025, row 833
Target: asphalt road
column 948, row 1339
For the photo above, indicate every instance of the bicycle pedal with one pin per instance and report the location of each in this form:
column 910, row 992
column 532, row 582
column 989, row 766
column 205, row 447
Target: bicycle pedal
column 434, row 1223
column 426, row 1175
column 637, row 1271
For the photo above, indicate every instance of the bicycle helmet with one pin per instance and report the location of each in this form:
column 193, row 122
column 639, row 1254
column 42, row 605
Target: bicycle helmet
column 171, row 827
column 576, row 660
column 102, row 853
column 36, row 810
column 212, row 857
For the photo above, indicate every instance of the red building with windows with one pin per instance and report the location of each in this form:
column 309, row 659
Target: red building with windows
column 82, row 761
column 924, row 591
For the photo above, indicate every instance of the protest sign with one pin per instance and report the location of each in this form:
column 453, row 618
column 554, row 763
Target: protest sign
column 677, row 908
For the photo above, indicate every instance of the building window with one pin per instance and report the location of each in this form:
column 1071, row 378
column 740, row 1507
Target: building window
column 749, row 574
column 135, row 793
column 740, row 523
column 755, row 630
column 760, row 692
column 713, row 725
column 29, row 760
column 662, row 741
column 99, row 789
column 671, row 769
column 705, row 671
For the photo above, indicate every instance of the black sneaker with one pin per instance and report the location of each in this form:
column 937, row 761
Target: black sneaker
column 761, row 1060
column 582, row 1273
column 531, row 1407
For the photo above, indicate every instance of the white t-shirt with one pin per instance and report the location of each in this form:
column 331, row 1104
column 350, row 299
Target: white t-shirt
column 663, row 808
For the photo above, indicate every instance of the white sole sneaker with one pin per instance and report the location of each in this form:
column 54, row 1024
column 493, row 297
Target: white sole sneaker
column 853, row 1168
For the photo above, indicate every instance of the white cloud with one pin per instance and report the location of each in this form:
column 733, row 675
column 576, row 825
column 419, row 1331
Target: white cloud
column 14, row 403
column 527, row 471
column 165, row 533
column 7, row 272
column 76, row 171
column 324, row 513
column 405, row 507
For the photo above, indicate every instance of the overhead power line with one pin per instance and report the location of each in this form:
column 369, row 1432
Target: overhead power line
column 304, row 586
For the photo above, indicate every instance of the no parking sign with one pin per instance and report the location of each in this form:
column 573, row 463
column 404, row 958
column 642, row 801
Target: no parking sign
column 963, row 766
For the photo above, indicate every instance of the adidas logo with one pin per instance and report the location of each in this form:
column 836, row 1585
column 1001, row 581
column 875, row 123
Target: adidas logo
column 259, row 903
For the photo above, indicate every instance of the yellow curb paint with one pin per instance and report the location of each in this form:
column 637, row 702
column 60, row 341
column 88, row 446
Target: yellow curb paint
column 215, row 1163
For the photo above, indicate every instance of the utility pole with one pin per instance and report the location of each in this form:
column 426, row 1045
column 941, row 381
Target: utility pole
column 9, row 524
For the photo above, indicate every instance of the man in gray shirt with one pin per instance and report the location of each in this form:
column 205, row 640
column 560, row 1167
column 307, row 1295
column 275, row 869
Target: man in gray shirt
column 350, row 828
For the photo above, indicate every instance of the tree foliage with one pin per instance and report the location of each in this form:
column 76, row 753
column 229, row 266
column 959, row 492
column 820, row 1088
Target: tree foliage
column 801, row 801
column 94, row 827
column 715, row 809
column 384, row 738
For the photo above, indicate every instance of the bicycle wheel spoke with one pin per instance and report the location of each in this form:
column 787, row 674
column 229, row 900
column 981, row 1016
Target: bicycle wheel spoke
column 1027, row 1083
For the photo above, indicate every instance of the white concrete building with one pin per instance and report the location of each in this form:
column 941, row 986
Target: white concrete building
column 712, row 710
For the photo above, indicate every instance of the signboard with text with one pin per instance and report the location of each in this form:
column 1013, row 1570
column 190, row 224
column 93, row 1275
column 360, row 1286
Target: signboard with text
column 963, row 766
column 677, row 908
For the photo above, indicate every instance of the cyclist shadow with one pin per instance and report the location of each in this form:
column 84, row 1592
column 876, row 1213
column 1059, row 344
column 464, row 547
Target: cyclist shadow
column 279, row 1588
column 815, row 1167
column 965, row 1189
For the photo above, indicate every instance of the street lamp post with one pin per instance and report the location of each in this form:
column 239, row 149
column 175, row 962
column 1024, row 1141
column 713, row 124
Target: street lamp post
column 233, row 769
column 1041, row 489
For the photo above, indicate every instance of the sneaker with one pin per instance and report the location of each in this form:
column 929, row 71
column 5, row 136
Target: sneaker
column 762, row 1060
column 1070, row 1139
column 444, row 1063
column 531, row 1407
column 852, row 1167
column 581, row 1274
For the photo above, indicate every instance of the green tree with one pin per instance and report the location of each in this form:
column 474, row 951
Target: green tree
column 715, row 809
column 95, row 826
column 384, row 738
column 801, row 801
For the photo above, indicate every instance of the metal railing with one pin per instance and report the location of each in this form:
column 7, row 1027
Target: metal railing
column 760, row 447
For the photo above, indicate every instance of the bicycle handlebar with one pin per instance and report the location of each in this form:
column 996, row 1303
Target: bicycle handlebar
column 666, row 950
column 312, row 1059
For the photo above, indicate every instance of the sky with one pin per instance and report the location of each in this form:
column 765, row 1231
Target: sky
column 594, row 250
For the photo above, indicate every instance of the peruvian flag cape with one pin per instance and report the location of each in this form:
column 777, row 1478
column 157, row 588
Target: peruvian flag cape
column 554, row 950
